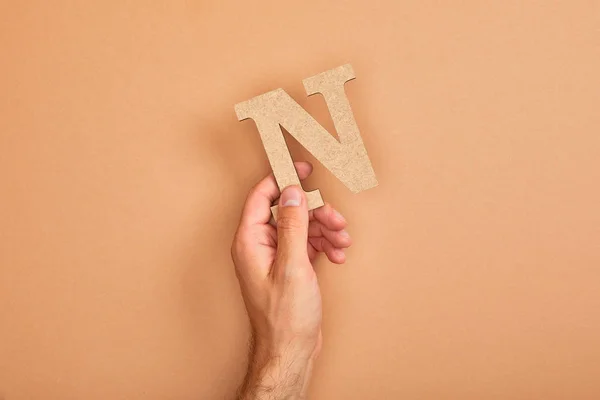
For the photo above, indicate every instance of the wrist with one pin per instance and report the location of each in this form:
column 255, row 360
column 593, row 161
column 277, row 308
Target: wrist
column 299, row 350
column 276, row 373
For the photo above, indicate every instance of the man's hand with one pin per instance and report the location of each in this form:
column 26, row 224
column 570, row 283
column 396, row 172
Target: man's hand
column 279, row 285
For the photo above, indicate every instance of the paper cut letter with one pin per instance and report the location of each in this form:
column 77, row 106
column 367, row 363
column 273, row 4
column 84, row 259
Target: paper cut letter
column 347, row 158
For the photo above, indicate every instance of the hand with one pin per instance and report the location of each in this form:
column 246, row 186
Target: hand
column 279, row 284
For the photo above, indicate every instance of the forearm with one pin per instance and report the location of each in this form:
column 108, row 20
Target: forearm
column 276, row 376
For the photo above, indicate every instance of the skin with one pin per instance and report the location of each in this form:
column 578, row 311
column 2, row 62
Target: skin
column 273, row 263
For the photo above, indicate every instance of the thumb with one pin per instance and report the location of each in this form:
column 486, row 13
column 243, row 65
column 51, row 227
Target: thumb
column 292, row 224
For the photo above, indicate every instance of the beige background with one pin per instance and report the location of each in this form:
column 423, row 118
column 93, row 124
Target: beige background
column 476, row 263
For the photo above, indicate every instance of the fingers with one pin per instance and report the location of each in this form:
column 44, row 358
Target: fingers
column 329, row 217
column 257, row 209
column 334, row 254
column 333, row 239
column 292, row 227
column 331, row 242
column 339, row 239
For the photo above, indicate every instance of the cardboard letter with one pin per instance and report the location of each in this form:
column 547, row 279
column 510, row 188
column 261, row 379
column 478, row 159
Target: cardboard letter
column 347, row 158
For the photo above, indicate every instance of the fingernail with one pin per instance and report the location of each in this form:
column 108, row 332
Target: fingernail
column 338, row 216
column 340, row 254
column 344, row 234
column 291, row 197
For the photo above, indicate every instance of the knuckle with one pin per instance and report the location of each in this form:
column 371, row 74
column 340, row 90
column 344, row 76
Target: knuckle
column 238, row 246
column 252, row 192
column 288, row 222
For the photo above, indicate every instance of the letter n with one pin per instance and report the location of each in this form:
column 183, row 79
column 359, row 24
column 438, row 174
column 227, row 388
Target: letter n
column 347, row 158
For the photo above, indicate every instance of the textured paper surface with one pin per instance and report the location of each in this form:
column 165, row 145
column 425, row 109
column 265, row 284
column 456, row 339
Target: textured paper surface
column 347, row 158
